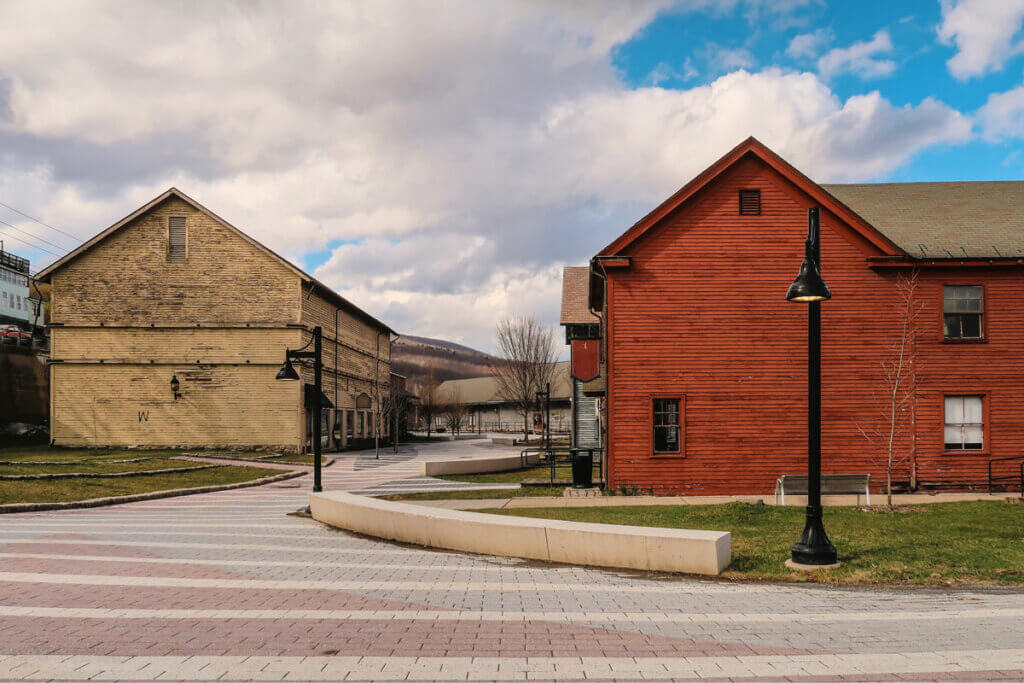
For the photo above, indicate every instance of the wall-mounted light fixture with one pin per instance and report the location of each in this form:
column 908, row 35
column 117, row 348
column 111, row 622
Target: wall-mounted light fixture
column 175, row 386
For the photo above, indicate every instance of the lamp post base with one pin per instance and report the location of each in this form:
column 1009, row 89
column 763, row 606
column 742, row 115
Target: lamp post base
column 814, row 548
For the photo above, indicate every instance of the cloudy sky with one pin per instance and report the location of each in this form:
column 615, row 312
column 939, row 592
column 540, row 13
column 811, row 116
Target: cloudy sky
column 439, row 162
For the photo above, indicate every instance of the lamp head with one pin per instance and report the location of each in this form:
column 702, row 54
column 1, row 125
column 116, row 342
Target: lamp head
column 287, row 371
column 808, row 285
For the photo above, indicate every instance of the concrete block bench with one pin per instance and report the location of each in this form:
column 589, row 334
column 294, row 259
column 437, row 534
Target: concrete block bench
column 601, row 545
column 501, row 463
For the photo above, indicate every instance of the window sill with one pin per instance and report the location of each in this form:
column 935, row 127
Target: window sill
column 967, row 451
column 954, row 340
column 667, row 456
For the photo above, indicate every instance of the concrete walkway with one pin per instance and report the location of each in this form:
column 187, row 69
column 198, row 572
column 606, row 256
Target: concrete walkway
column 225, row 586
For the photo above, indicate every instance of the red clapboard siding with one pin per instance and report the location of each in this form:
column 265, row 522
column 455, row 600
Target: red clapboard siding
column 701, row 313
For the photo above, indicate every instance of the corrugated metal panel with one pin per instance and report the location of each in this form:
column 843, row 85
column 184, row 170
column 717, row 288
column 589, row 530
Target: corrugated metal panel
column 588, row 425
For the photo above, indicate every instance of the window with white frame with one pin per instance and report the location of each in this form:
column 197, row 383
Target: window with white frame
column 965, row 423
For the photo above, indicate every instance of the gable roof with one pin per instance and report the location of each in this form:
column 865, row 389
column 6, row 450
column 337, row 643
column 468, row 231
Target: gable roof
column 754, row 147
column 320, row 287
column 979, row 219
column 575, row 290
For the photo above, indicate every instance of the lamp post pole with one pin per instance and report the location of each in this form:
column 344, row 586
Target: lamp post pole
column 814, row 548
column 318, row 384
column 287, row 372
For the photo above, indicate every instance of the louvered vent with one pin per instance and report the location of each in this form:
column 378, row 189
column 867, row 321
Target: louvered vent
column 176, row 245
column 750, row 202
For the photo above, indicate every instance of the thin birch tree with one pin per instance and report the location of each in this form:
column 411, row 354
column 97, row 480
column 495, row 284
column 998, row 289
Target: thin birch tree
column 892, row 427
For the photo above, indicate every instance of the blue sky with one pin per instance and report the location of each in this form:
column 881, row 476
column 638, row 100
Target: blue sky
column 441, row 167
column 679, row 50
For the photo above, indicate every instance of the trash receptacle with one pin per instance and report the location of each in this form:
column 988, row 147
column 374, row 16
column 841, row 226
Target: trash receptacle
column 582, row 469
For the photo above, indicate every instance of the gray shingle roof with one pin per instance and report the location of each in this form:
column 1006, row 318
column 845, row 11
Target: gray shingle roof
column 979, row 219
column 575, row 304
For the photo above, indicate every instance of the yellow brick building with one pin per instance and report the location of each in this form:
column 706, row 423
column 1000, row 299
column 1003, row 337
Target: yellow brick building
column 173, row 292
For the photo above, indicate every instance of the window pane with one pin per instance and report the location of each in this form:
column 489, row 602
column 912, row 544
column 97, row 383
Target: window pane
column 666, row 439
column 951, row 326
column 954, row 410
column 970, row 326
column 952, row 438
column 972, row 409
column 973, row 437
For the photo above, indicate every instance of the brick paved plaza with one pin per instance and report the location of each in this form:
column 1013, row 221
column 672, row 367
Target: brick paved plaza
column 225, row 586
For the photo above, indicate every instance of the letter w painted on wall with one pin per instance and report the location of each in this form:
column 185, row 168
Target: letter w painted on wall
column 143, row 416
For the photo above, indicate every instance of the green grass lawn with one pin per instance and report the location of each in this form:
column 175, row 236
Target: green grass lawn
column 525, row 491
column 99, row 466
column 977, row 542
column 103, row 461
column 60, row 490
column 48, row 454
column 513, row 477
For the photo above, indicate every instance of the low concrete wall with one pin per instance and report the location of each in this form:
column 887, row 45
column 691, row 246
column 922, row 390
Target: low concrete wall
column 602, row 545
column 504, row 463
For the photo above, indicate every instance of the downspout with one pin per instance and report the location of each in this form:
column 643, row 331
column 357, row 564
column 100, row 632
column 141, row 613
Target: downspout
column 606, row 422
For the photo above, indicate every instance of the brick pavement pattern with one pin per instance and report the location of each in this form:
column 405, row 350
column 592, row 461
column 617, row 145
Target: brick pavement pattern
column 225, row 586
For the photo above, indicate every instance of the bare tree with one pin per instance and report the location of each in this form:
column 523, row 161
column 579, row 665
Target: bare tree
column 430, row 400
column 455, row 411
column 395, row 412
column 892, row 427
column 526, row 363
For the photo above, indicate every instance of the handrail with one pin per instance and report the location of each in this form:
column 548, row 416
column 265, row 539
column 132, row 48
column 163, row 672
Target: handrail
column 1006, row 477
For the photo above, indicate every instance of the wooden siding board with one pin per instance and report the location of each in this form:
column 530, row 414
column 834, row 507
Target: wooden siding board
column 701, row 312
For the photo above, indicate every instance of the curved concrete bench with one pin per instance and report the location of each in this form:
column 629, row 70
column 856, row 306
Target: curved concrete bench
column 602, row 545
column 501, row 463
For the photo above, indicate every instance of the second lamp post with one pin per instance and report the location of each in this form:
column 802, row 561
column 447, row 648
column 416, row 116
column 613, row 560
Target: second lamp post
column 813, row 548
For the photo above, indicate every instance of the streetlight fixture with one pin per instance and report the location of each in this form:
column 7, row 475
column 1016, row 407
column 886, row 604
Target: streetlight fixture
column 287, row 372
column 813, row 549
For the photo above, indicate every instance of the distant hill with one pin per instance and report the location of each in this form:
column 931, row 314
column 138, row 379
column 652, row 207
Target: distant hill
column 415, row 356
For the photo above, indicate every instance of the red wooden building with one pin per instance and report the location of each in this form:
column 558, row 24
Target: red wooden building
column 705, row 362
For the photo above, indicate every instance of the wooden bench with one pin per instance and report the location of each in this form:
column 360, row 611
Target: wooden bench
column 831, row 484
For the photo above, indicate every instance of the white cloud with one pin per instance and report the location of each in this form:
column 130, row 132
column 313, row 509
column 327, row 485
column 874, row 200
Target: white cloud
column 859, row 59
column 808, row 45
column 1002, row 115
column 463, row 157
column 983, row 32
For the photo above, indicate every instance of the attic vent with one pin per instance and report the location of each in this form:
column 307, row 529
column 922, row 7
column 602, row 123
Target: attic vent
column 176, row 238
column 750, row 202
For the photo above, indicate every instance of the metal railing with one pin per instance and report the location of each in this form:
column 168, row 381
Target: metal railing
column 1016, row 476
column 561, row 455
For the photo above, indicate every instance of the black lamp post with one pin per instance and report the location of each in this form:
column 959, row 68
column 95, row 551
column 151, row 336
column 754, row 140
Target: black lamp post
column 287, row 372
column 546, row 395
column 813, row 548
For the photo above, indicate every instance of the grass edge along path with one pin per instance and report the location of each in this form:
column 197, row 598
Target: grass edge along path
column 44, row 491
column 936, row 544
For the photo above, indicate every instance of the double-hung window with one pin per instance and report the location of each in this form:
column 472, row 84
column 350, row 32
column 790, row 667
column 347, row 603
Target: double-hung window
column 962, row 311
column 965, row 423
column 666, row 425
